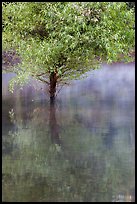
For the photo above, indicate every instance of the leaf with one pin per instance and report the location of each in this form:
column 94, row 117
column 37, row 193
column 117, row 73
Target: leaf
column 75, row 34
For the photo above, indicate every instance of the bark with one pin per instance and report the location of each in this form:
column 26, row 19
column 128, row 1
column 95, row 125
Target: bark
column 53, row 83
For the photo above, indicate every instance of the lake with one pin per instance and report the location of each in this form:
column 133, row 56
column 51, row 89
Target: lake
column 82, row 149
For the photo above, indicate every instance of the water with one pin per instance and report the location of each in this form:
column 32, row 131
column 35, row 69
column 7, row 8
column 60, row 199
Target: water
column 81, row 150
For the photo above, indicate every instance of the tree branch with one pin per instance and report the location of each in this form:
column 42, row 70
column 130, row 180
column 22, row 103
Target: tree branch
column 42, row 80
column 38, row 75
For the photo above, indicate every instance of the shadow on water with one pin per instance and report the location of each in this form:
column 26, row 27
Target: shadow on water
column 80, row 148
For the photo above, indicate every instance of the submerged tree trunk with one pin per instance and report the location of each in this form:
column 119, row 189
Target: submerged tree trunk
column 52, row 88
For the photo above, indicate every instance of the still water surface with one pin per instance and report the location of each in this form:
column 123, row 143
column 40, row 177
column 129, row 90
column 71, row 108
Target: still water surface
column 82, row 149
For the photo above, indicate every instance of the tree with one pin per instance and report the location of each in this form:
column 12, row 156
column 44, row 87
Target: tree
column 130, row 5
column 60, row 41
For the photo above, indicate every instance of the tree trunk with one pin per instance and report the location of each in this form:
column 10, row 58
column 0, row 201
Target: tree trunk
column 54, row 129
column 52, row 88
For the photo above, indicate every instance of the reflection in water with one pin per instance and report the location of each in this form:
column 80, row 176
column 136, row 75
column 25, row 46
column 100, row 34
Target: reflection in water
column 54, row 129
column 79, row 149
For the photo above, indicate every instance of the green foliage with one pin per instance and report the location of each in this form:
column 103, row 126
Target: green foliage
column 130, row 5
column 66, row 37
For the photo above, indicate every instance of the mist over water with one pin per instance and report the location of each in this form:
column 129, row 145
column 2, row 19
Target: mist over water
column 82, row 149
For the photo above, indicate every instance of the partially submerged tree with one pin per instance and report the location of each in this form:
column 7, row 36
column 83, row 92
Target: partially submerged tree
column 60, row 41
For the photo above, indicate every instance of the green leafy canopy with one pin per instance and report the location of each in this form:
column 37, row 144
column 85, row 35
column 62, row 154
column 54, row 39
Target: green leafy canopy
column 66, row 37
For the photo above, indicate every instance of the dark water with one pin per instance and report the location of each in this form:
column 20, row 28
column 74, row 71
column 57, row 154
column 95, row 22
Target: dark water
column 82, row 149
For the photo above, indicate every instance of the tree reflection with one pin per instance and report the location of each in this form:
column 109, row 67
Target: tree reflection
column 54, row 127
column 73, row 164
column 80, row 150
